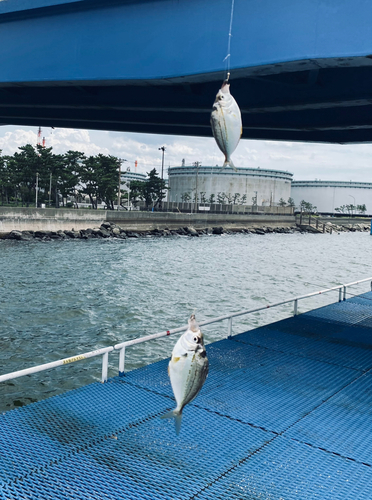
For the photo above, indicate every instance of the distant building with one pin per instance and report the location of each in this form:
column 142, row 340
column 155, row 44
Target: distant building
column 329, row 195
column 265, row 186
column 127, row 175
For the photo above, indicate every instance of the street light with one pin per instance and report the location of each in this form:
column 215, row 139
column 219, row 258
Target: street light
column 162, row 170
column 197, row 165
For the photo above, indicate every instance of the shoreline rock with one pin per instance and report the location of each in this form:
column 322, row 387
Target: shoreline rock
column 112, row 230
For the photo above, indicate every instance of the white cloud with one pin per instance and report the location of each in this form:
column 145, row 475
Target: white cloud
column 278, row 156
column 304, row 160
column 11, row 140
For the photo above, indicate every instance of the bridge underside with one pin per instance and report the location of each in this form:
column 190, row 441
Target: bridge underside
column 325, row 102
column 299, row 72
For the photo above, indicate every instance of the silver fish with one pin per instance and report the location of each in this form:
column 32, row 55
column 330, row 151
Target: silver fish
column 187, row 369
column 226, row 122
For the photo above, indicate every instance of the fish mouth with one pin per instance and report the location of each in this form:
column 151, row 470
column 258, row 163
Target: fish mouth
column 225, row 87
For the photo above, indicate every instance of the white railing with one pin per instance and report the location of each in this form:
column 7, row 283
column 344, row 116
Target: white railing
column 123, row 345
column 40, row 368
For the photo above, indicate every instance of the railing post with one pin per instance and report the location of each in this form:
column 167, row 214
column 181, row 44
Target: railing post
column 317, row 223
column 229, row 328
column 295, row 308
column 344, row 292
column 104, row 367
column 121, row 361
column 340, row 294
column 309, row 220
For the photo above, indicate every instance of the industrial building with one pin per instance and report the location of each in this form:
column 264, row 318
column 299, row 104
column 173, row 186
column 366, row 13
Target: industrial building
column 127, row 177
column 329, row 195
column 247, row 186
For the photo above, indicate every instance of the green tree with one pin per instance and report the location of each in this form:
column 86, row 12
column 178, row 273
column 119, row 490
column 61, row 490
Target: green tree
column 99, row 179
column 88, row 179
column 236, row 198
column 307, row 207
column 362, row 209
column 26, row 165
column 282, row 203
column 136, row 191
column 221, row 198
column 8, row 186
column 350, row 209
column 154, row 189
column 243, row 199
column 291, row 202
column 229, row 198
column 212, row 199
column 186, row 197
column 67, row 167
column 108, row 179
column 341, row 209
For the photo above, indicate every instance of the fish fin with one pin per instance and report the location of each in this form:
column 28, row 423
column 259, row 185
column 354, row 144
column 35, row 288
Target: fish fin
column 177, row 419
column 229, row 163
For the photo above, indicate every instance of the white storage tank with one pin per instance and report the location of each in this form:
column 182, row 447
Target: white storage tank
column 329, row 195
column 264, row 186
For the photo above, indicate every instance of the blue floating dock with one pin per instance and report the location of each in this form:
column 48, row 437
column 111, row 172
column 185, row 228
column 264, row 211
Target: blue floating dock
column 284, row 414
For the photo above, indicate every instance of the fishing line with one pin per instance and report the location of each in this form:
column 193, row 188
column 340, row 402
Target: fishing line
column 228, row 55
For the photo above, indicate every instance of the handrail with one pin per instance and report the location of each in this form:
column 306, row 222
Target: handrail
column 39, row 368
column 123, row 345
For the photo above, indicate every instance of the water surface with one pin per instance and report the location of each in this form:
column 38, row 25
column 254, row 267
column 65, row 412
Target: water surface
column 62, row 298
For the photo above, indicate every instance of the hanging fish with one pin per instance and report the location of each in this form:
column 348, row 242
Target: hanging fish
column 187, row 369
column 226, row 122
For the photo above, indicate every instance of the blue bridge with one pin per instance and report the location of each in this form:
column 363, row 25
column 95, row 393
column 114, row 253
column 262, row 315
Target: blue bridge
column 284, row 414
column 300, row 70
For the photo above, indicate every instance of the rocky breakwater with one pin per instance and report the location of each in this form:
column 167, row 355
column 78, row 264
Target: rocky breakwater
column 112, row 230
column 347, row 228
column 329, row 227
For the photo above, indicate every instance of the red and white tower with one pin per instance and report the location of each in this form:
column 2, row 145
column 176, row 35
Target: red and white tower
column 39, row 137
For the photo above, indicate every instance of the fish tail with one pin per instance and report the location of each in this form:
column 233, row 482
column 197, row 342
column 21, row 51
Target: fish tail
column 177, row 419
column 229, row 163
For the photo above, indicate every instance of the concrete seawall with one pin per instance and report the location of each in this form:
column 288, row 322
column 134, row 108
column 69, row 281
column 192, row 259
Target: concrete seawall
column 32, row 219
column 50, row 219
column 158, row 220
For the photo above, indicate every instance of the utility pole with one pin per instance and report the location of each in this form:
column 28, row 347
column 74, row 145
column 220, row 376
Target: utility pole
column 162, row 171
column 119, row 190
column 128, row 194
column 196, row 164
column 50, row 189
column 37, row 187
column 57, row 197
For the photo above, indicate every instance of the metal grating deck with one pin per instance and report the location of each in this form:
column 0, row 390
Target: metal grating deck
column 284, row 414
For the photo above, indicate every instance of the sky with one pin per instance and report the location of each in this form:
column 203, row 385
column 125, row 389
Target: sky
column 307, row 161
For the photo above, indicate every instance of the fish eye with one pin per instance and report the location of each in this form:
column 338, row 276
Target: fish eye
column 196, row 339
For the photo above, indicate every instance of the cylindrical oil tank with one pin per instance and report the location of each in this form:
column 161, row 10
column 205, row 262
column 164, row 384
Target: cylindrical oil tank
column 247, row 185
